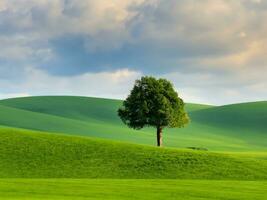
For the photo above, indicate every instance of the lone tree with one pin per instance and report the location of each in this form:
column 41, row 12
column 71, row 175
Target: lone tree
column 153, row 102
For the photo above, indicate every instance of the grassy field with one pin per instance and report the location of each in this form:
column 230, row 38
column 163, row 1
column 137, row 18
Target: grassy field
column 44, row 154
column 26, row 154
column 239, row 127
column 94, row 189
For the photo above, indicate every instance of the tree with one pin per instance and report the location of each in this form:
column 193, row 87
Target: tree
column 153, row 102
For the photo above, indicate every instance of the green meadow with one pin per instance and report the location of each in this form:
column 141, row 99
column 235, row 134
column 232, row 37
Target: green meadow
column 68, row 147
column 27, row 154
column 114, row 189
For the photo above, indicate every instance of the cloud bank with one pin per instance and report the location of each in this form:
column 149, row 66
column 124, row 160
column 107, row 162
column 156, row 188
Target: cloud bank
column 213, row 50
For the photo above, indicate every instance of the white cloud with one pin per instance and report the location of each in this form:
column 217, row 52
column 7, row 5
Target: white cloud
column 216, row 49
column 115, row 84
column 2, row 6
column 211, row 88
column 13, row 95
column 200, row 27
column 201, row 87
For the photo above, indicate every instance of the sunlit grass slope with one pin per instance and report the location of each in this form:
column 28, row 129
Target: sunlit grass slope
column 26, row 154
column 238, row 127
column 98, row 189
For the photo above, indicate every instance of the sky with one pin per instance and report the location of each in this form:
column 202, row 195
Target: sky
column 214, row 51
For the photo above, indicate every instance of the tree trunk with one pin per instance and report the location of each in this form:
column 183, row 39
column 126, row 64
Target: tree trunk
column 159, row 136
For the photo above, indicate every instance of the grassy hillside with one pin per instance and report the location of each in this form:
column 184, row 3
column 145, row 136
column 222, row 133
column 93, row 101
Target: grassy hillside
column 225, row 128
column 80, row 108
column 252, row 116
column 28, row 157
column 98, row 189
column 26, row 154
column 13, row 117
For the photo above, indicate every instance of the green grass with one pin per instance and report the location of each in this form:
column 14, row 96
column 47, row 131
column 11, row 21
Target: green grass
column 94, row 189
column 26, row 154
column 239, row 127
column 250, row 116
column 40, row 165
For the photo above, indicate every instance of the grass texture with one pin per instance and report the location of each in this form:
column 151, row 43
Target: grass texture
column 26, row 154
column 98, row 189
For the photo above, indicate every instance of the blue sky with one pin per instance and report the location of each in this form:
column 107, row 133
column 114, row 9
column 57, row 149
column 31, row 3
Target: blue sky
column 214, row 51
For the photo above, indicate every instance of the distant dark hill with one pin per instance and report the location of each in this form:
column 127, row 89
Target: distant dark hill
column 252, row 116
column 80, row 108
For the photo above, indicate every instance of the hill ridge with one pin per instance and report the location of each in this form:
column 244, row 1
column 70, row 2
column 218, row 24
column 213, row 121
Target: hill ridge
column 96, row 117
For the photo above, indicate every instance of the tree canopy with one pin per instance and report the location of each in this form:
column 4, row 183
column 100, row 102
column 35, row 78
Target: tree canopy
column 153, row 102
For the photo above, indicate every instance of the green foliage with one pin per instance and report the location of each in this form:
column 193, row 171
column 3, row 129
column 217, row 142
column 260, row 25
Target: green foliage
column 155, row 103
column 26, row 154
column 99, row 189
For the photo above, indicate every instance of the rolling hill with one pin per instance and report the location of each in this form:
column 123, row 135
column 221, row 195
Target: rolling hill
column 239, row 127
column 28, row 154
column 250, row 116
column 44, row 154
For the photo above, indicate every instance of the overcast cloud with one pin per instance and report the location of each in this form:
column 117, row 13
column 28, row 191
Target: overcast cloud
column 214, row 51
